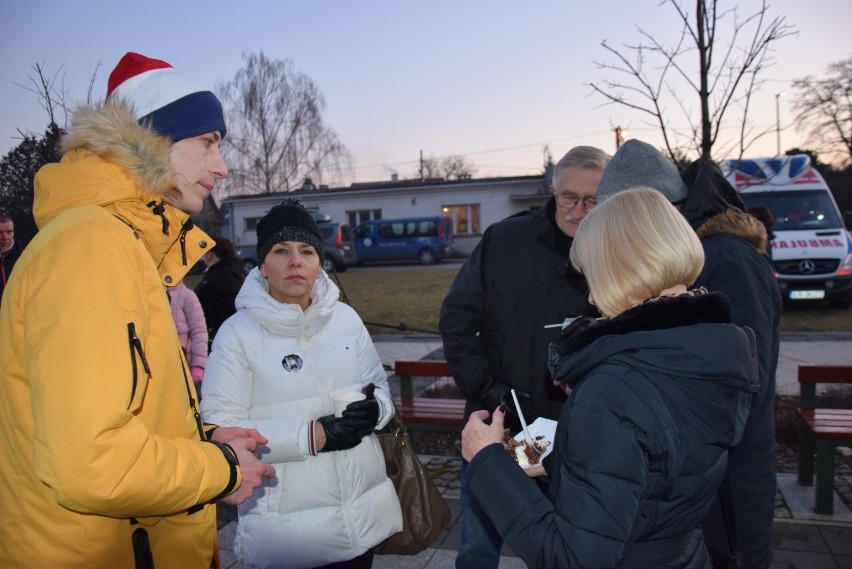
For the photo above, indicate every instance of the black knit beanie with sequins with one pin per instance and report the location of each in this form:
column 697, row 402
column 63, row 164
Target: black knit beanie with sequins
column 289, row 221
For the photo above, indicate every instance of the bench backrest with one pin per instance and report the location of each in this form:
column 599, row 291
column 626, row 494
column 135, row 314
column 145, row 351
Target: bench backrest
column 810, row 375
column 422, row 368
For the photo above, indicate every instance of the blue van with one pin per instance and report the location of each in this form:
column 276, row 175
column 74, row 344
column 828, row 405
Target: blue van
column 423, row 239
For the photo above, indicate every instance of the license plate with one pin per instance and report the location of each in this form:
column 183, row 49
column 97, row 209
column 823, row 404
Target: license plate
column 807, row 294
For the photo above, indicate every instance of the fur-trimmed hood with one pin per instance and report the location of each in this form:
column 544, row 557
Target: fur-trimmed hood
column 107, row 157
column 713, row 205
column 112, row 162
column 111, row 131
column 735, row 222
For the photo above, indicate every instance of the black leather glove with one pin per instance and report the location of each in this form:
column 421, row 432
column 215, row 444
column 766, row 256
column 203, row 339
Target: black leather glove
column 340, row 433
column 363, row 415
column 490, row 395
column 578, row 325
column 495, row 393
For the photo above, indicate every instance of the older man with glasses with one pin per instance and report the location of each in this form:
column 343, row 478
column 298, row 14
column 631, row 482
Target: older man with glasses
column 517, row 281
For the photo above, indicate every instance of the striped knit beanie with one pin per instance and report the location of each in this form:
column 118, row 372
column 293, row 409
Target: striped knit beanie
column 170, row 103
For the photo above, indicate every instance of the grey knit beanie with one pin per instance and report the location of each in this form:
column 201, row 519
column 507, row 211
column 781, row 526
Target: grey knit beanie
column 637, row 163
column 288, row 221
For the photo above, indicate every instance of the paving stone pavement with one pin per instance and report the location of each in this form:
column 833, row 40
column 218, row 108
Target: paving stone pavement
column 815, row 542
column 802, row 540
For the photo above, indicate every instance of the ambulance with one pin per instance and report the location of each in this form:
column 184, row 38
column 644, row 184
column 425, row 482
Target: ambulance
column 811, row 246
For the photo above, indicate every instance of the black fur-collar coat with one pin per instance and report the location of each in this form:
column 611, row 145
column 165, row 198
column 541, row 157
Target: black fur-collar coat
column 659, row 395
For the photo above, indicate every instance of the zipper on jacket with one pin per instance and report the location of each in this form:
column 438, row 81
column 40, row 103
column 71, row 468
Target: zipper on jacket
column 198, row 422
column 136, row 348
column 192, row 402
column 160, row 209
column 183, row 230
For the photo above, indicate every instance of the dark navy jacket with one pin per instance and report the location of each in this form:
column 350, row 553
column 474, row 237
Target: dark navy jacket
column 735, row 266
column 8, row 261
column 217, row 292
column 659, row 395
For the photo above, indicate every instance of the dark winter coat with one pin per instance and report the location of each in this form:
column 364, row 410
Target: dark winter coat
column 516, row 281
column 660, row 393
column 7, row 261
column 736, row 266
column 217, row 292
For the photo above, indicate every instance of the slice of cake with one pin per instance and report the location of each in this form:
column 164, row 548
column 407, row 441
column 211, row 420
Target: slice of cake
column 524, row 454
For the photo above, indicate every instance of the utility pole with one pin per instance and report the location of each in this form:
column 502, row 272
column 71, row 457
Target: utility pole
column 619, row 137
column 421, row 164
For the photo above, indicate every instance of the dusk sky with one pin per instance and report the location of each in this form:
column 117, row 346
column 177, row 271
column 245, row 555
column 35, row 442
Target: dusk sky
column 492, row 80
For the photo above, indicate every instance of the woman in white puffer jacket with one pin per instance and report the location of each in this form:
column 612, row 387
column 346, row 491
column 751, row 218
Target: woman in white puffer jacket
column 273, row 366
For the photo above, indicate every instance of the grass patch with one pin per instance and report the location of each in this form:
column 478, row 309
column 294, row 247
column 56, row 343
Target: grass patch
column 815, row 317
column 412, row 296
column 404, row 297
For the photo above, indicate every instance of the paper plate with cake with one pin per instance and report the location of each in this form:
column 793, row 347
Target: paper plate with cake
column 543, row 432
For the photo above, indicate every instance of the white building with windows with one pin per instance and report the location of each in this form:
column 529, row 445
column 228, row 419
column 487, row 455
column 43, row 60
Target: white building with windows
column 471, row 205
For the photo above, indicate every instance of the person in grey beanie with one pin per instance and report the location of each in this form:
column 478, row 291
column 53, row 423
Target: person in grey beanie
column 637, row 163
column 734, row 243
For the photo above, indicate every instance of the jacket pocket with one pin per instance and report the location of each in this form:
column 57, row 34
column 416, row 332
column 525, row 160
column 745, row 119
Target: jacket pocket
column 139, row 368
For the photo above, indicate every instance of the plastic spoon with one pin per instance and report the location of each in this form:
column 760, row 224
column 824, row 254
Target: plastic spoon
column 527, row 435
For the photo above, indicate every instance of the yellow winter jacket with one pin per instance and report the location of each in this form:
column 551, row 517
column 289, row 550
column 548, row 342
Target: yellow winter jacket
column 98, row 419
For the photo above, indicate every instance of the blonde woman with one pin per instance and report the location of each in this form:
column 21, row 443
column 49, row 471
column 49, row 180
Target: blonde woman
column 660, row 389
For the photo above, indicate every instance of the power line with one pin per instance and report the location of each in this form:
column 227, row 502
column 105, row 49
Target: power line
column 492, row 151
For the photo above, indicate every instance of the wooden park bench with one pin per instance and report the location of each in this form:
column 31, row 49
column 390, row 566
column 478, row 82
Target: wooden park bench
column 426, row 413
column 821, row 431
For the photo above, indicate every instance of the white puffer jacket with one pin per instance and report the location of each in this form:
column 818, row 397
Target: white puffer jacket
column 273, row 367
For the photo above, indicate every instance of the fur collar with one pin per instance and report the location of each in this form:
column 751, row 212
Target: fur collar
column 737, row 223
column 657, row 314
column 110, row 130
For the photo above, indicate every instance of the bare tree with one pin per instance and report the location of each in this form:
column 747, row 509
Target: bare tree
column 451, row 167
column 276, row 135
column 824, row 109
column 723, row 85
column 53, row 95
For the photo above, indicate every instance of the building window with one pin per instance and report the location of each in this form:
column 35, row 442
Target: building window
column 464, row 218
column 361, row 215
column 251, row 223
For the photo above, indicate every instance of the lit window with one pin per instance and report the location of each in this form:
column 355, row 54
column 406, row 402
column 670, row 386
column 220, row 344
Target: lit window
column 464, row 218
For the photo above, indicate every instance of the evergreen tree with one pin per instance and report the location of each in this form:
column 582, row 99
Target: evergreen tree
column 17, row 172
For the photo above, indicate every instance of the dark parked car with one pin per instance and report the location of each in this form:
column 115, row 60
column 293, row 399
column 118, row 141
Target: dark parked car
column 339, row 249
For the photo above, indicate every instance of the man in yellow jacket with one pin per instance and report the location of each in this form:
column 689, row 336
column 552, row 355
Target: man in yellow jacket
column 105, row 460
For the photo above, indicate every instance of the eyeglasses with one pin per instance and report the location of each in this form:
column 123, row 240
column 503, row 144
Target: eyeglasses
column 568, row 201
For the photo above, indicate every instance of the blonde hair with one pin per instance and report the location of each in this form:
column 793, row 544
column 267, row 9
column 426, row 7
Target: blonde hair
column 632, row 247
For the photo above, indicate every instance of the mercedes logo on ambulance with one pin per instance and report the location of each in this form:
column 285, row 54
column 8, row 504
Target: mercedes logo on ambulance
column 807, row 267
